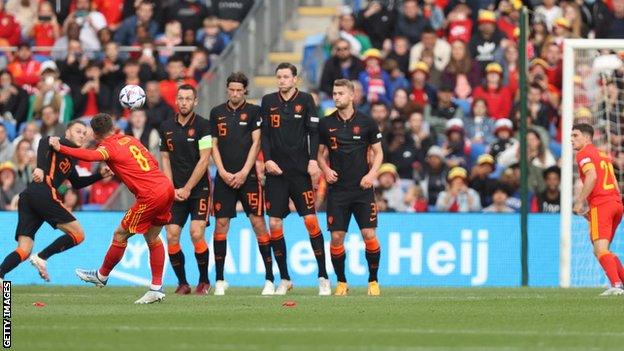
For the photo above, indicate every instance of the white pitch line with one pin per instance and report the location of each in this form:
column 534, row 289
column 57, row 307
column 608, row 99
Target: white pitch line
column 328, row 330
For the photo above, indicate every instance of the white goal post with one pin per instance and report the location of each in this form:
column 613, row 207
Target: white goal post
column 571, row 48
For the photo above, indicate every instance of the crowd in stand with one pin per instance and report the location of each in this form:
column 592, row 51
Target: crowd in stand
column 441, row 78
column 67, row 59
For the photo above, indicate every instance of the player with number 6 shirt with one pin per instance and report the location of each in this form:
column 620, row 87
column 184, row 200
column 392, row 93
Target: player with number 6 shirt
column 185, row 146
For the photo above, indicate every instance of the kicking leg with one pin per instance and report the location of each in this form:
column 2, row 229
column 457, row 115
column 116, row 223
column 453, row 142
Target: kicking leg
column 113, row 256
column 12, row 260
column 74, row 235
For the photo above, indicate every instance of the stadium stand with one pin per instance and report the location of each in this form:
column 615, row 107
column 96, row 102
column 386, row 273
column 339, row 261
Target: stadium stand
column 439, row 76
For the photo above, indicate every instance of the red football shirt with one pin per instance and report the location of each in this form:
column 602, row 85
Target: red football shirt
column 129, row 160
column 606, row 188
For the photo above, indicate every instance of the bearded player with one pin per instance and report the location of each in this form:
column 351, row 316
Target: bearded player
column 154, row 193
column 601, row 191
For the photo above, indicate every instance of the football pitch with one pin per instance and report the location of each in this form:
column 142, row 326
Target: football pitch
column 87, row 318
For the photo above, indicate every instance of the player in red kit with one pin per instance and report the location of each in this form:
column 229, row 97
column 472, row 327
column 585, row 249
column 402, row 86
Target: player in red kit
column 601, row 191
column 136, row 168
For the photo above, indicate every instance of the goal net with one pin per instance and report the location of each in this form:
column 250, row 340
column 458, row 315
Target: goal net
column 593, row 92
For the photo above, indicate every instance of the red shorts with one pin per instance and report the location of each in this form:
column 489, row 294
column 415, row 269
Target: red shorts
column 147, row 212
column 604, row 220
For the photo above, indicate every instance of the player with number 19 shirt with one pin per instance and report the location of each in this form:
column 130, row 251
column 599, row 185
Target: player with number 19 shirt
column 290, row 146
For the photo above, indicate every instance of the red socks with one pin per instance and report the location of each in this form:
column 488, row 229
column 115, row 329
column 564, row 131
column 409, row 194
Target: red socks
column 157, row 262
column 113, row 256
column 610, row 264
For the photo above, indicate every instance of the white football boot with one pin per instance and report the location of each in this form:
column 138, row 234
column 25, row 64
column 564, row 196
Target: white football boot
column 269, row 288
column 220, row 287
column 612, row 291
column 151, row 296
column 283, row 287
column 324, row 287
column 40, row 264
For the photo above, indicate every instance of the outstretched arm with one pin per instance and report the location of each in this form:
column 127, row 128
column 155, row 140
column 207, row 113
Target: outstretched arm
column 99, row 154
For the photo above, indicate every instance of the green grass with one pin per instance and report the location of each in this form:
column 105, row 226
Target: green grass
column 87, row 318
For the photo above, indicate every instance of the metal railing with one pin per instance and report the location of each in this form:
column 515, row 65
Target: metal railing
column 260, row 31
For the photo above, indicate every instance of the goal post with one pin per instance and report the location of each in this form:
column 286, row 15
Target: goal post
column 579, row 56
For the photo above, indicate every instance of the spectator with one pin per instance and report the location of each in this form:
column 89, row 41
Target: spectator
column 25, row 161
column 211, row 37
column 503, row 132
column 400, row 53
column 415, row 199
column 94, row 97
column 459, row 24
column 10, row 30
column 538, row 155
column 105, row 36
column 430, row 42
column 198, row 69
column 511, row 74
column 511, row 180
column 126, row 35
column 397, row 77
column 102, row 190
column 359, row 99
column 456, row 147
column 410, row 158
column 433, row 175
column 509, row 16
column 400, row 152
column 52, row 91
column 9, row 187
column 561, row 31
column 343, row 27
column 410, row 22
column 402, row 107
column 30, row 133
column 380, row 114
column 609, row 24
column 13, row 100
column 24, row 12
column 45, row 29
column 112, row 11
column 549, row 200
column 71, row 69
column 24, row 68
column 189, row 13
column 65, row 44
column 90, row 23
column 112, row 73
column 71, row 200
column 342, row 64
column 149, row 63
column 377, row 21
column 140, row 129
column 390, row 188
column 499, row 201
column 422, row 92
column 537, row 36
column 381, row 204
column 445, row 109
column 231, row 13
column 176, row 76
column 458, row 197
column 554, row 67
column 434, row 14
column 156, row 109
column 170, row 38
column 486, row 40
column 6, row 148
column 541, row 114
column 481, row 180
column 548, row 12
column 374, row 80
column 498, row 97
column 479, row 126
column 50, row 123
column 462, row 71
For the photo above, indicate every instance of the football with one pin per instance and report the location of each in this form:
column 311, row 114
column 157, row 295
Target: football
column 132, row 97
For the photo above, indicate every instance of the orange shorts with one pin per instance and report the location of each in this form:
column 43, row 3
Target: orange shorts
column 147, row 212
column 604, row 220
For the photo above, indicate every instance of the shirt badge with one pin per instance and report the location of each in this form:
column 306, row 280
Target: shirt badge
column 191, row 132
column 298, row 108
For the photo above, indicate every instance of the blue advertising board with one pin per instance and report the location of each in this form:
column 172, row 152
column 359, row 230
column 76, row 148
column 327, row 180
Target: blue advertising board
column 417, row 250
